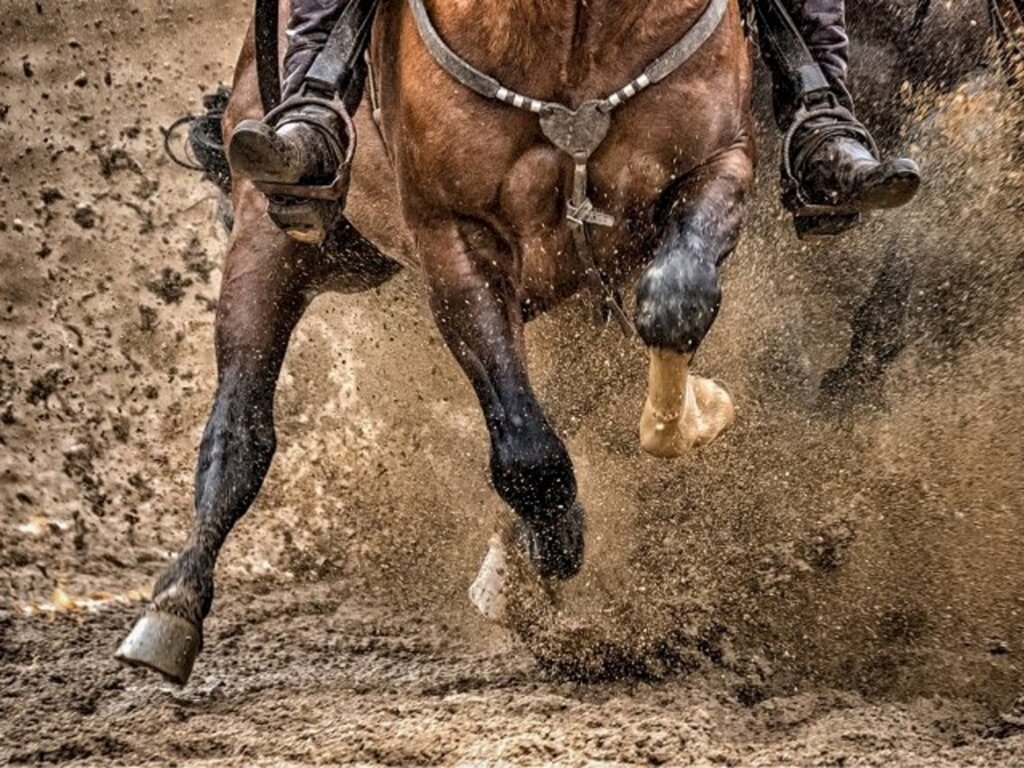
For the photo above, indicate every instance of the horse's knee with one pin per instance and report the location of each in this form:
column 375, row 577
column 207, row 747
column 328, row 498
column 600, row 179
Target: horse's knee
column 532, row 472
column 677, row 299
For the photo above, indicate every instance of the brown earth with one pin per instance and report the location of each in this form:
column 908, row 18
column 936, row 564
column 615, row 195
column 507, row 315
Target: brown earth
column 837, row 582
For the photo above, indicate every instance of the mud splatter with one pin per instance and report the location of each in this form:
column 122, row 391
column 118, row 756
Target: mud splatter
column 837, row 582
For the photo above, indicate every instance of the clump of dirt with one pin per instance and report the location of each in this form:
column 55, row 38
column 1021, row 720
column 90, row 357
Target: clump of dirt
column 169, row 286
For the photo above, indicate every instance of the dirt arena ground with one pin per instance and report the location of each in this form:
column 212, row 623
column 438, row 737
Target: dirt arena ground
column 838, row 582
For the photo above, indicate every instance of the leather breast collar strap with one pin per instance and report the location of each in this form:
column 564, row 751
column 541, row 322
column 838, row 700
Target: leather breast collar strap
column 577, row 132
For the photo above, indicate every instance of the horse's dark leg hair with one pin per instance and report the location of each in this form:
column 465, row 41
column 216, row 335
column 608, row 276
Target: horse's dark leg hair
column 700, row 217
column 470, row 275
column 265, row 290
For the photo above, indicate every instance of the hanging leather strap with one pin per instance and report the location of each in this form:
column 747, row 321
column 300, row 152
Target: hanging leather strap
column 782, row 42
column 268, row 76
column 333, row 69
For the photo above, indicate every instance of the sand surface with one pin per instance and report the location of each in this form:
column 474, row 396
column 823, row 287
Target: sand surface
column 837, row 582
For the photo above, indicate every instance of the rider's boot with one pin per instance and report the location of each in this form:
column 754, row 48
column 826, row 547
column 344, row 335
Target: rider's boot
column 831, row 168
column 299, row 155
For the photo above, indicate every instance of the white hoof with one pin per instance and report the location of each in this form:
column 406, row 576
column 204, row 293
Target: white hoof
column 487, row 592
column 702, row 414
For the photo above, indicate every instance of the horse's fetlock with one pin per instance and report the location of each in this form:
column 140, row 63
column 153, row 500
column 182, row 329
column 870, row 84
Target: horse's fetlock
column 677, row 300
column 185, row 590
column 533, row 474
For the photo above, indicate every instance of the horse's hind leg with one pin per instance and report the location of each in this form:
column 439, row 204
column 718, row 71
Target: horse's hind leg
column 267, row 285
column 879, row 335
column 677, row 301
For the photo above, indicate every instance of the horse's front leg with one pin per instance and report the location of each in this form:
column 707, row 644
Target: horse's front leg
column 474, row 297
column 265, row 289
column 678, row 298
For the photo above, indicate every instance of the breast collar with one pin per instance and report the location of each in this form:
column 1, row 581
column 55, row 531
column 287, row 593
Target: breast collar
column 577, row 132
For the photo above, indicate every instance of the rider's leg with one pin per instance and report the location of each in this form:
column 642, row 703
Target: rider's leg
column 831, row 168
column 305, row 142
column 822, row 24
column 308, row 29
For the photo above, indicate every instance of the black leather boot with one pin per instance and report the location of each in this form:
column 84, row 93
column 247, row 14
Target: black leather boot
column 831, row 171
column 300, row 154
column 306, row 145
column 300, row 157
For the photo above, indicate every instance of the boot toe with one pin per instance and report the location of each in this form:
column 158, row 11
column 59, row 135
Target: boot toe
column 892, row 184
column 257, row 152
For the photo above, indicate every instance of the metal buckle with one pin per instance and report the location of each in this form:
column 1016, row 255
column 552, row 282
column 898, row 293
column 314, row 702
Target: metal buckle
column 585, row 213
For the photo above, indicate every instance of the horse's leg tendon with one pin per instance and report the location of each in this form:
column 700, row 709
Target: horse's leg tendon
column 263, row 295
column 678, row 298
column 474, row 300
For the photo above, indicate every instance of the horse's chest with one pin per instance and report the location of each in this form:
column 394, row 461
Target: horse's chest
column 536, row 198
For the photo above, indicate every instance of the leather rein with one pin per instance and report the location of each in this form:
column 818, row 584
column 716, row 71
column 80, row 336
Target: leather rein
column 577, row 132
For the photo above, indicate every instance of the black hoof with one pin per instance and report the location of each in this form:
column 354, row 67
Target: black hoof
column 555, row 545
column 162, row 642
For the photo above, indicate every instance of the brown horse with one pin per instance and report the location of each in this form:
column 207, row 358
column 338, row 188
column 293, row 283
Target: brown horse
column 483, row 196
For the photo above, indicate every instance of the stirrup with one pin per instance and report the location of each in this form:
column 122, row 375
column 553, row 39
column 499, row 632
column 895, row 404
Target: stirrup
column 308, row 212
column 308, row 221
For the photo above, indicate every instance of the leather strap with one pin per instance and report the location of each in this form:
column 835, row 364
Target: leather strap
column 782, row 41
column 337, row 60
column 1008, row 21
column 577, row 132
column 449, row 60
column 488, row 87
column 268, row 76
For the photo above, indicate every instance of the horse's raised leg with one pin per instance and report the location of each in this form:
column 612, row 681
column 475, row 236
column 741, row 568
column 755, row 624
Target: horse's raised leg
column 265, row 290
column 474, row 299
column 678, row 298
